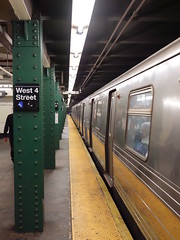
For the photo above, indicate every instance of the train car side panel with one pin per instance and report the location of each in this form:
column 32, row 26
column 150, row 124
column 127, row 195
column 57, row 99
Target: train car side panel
column 153, row 214
column 99, row 127
column 145, row 153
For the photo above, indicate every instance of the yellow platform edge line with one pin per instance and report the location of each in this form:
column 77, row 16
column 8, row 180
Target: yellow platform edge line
column 119, row 222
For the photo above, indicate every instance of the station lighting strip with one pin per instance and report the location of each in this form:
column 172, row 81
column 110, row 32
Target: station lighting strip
column 81, row 16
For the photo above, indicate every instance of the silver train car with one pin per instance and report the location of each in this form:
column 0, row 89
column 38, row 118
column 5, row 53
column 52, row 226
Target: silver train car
column 132, row 126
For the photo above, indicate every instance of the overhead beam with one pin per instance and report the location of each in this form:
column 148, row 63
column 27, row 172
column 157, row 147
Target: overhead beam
column 5, row 71
column 5, row 56
column 5, row 39
column 23, row 11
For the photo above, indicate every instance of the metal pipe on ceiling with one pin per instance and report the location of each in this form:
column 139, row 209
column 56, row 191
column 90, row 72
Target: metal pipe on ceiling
column 101, row 56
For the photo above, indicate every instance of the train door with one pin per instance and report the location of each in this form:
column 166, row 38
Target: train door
column 90, row 124
column 78, row 116
column 82, row 119
column 109, row 137
column 85, row 123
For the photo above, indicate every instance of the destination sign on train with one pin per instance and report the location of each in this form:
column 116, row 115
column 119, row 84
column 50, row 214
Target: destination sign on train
column 26, row 97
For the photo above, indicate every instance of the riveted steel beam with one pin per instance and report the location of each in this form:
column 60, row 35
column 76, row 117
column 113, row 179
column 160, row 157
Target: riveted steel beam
column 57, row 124
column 28, row 126
column 49, row 118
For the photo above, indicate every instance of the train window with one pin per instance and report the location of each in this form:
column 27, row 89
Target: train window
column 140, row 101
column 139, row 121
column 98, row 114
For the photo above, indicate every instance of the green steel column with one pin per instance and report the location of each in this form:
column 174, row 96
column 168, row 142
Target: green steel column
column 28, row 126
column 49, row 119
column 57, row 105
column 61, row 114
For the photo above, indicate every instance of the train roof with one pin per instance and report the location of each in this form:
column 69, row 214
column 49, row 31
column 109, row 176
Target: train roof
column 160, row 56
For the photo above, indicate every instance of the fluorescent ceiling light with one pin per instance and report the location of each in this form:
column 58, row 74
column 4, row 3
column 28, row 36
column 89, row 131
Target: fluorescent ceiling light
column 81, row 16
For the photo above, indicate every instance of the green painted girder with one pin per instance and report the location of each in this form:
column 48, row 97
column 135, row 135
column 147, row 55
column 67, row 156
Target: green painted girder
column 49, row 118
column 62, row 114
column 28, row 129
column 57, row 123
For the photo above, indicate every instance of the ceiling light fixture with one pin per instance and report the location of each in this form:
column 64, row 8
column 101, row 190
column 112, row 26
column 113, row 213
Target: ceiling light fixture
column 81, row 16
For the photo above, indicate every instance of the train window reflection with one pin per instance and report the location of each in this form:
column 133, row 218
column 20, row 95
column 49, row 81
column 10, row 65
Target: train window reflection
column 138, row 134
column 139, row 122
column 98, row 114
column 141, row 101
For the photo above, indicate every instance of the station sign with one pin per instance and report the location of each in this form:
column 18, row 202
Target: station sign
column 26, row 97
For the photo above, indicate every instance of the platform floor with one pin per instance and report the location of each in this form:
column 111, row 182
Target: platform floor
column 77, row 205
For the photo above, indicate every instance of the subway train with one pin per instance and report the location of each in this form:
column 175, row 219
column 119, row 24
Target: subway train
column 132, row 127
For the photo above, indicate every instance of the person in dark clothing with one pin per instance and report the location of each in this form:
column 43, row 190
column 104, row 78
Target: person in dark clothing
column 142, row 144
column 9, row 128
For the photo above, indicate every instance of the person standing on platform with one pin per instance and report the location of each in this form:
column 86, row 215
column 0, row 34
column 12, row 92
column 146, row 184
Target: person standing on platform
column 9, row 128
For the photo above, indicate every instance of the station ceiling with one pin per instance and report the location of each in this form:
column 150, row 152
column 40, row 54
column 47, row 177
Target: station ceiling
column 122, row 33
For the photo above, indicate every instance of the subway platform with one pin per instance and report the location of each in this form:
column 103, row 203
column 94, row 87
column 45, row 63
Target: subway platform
column 77, row 204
